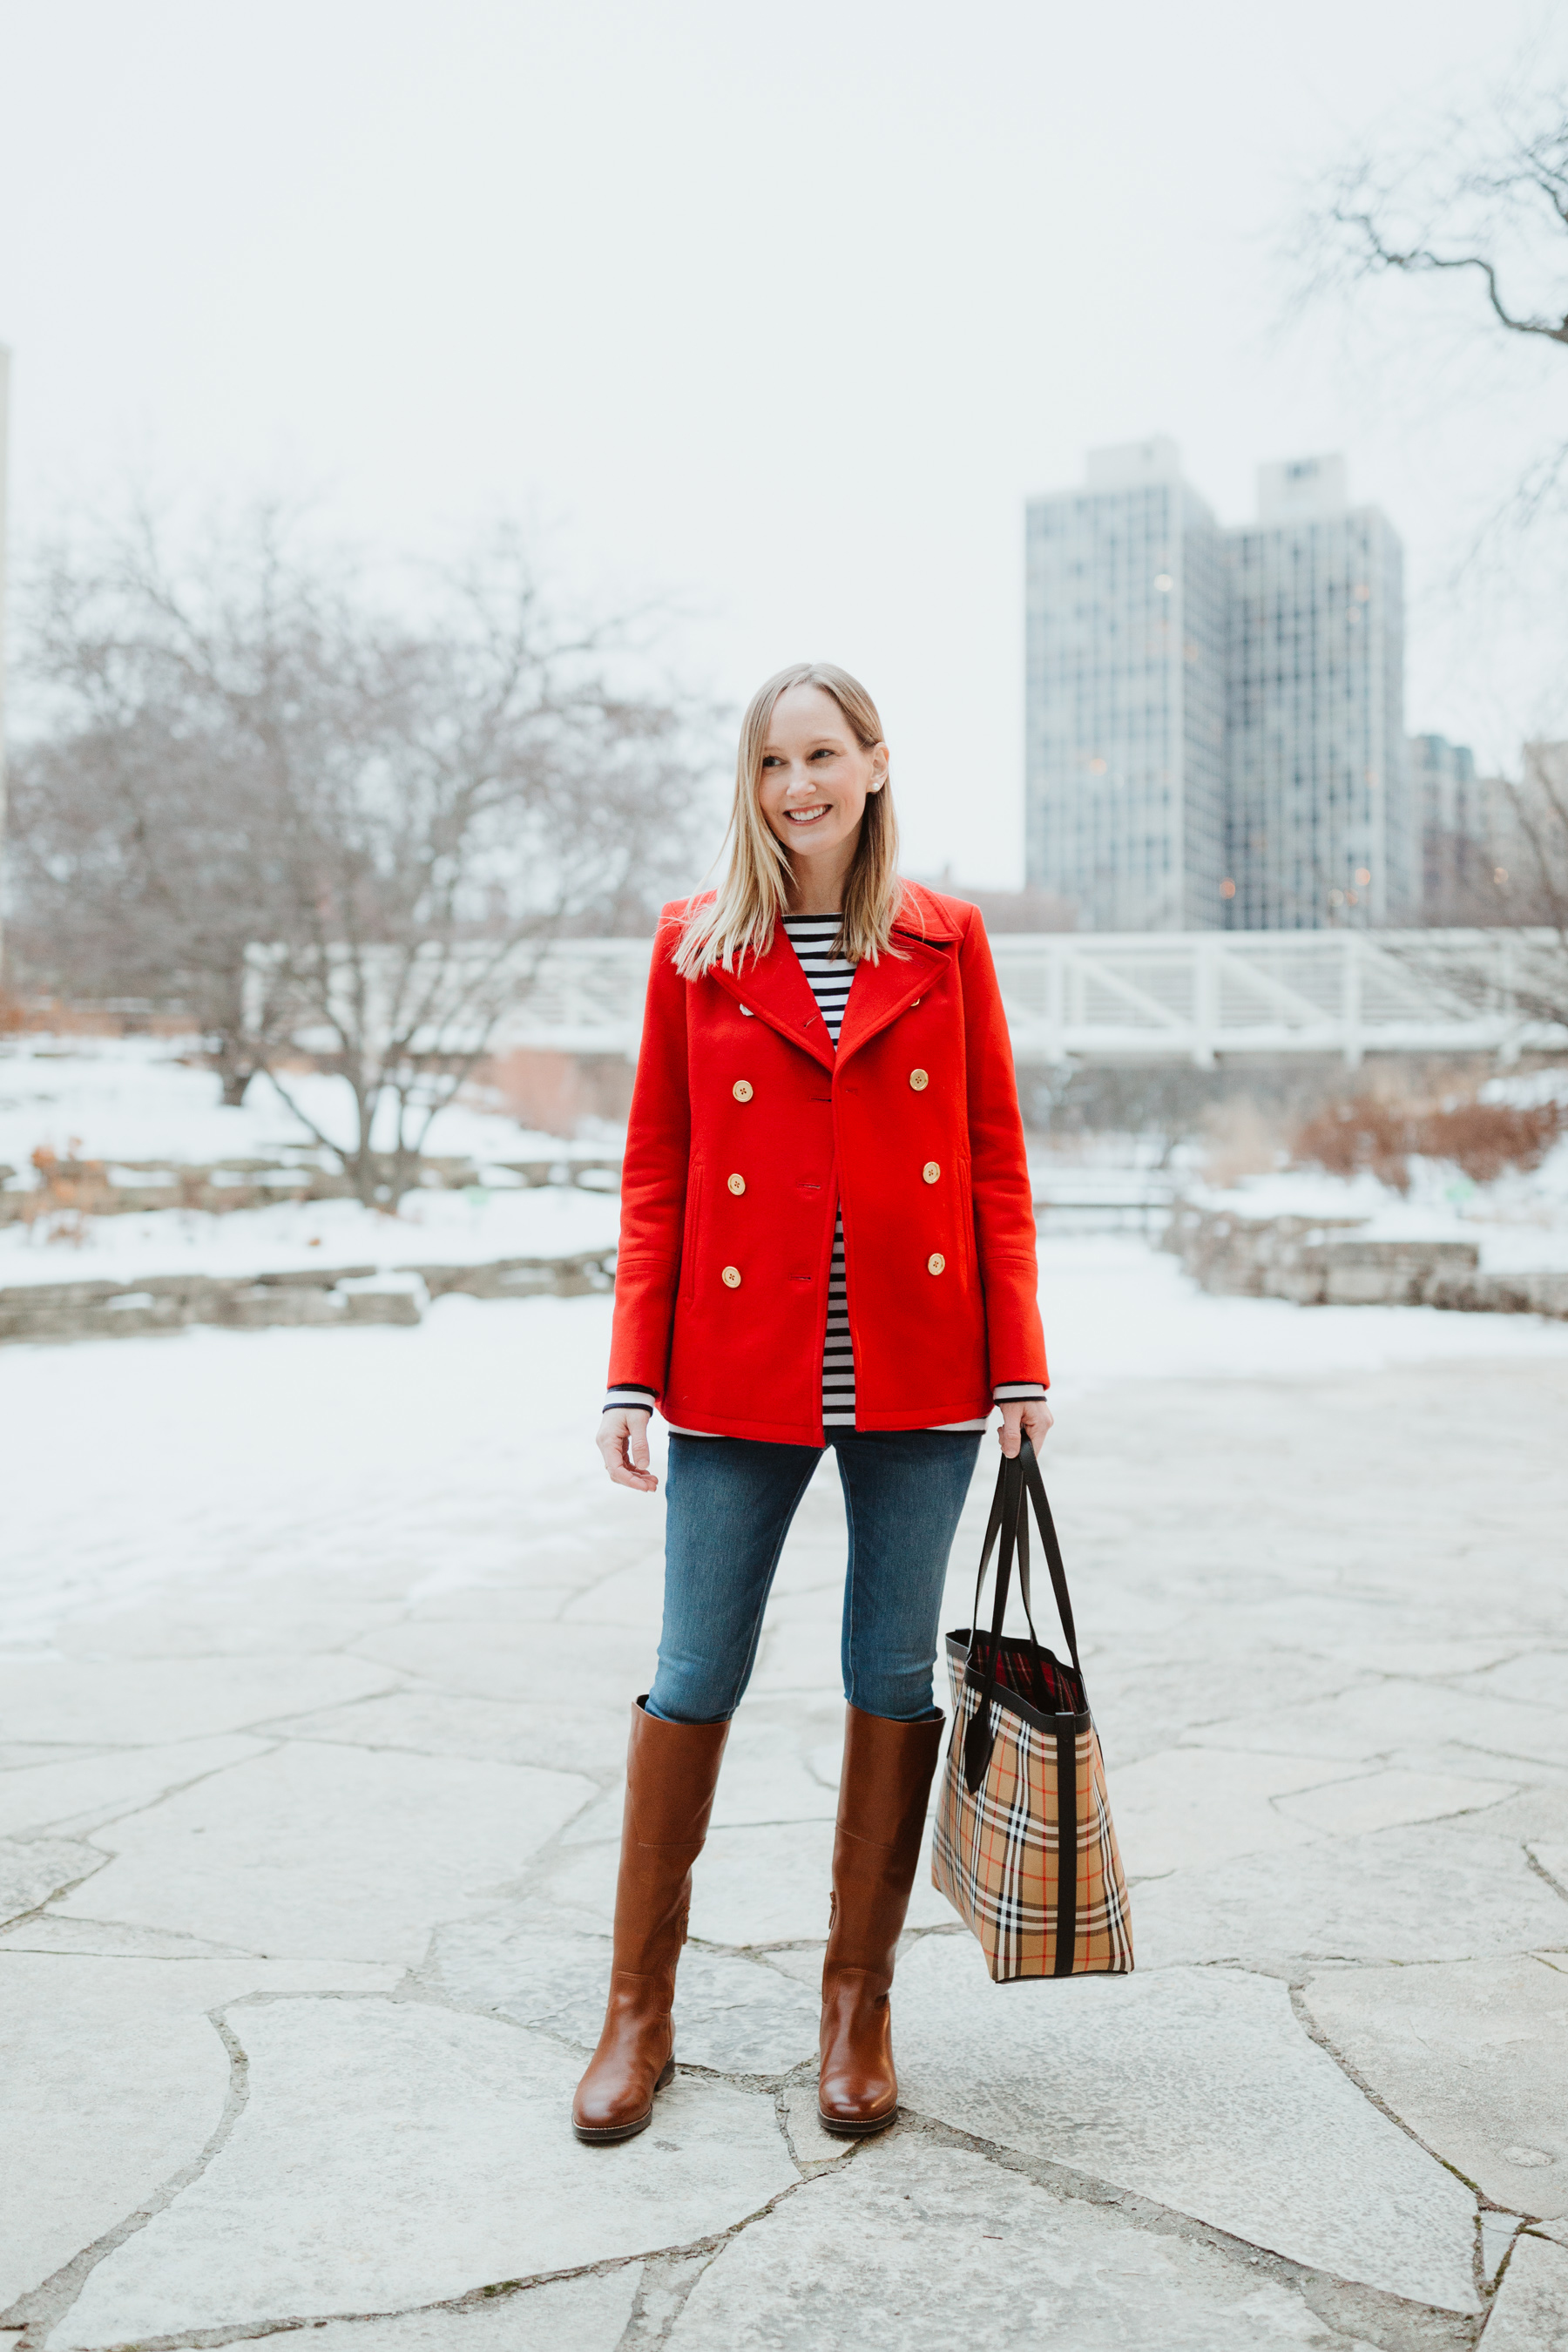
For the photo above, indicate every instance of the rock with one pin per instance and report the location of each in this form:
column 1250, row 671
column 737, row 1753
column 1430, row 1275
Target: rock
column 1531, row 2314
column 1197, row 2087
column 1407, row 1895
column 1472, row 2056
column 151, row 1702
column 112, row 2079
column 34, row 1869
column 587, row 2314
column 923, row 2248
column 82, row 1793
column 392, row 2154
column 732, row 2015
column 332, row 1851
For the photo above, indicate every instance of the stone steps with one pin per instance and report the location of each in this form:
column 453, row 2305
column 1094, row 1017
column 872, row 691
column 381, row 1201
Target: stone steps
column 1321, row 1262
column 336, row 1298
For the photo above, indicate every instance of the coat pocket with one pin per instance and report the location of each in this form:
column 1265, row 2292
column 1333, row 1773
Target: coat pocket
column 689, row 1235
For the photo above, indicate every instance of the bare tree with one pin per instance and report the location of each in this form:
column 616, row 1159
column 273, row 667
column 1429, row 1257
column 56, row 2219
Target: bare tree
column 335, row 831
column 1482, row 207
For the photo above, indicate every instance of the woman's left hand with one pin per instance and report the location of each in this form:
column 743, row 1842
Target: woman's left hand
column 1030, row 1415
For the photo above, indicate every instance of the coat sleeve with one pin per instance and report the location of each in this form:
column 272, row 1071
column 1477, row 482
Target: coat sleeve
column 653, row 1179
column 999, row 1174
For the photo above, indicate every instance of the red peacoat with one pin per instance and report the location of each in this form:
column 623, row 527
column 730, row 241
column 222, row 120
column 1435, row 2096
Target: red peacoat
column 747, row 1130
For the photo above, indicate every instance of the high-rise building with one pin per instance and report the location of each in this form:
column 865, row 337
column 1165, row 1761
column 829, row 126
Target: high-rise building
column 1454, row 820
column 1126, row 696
column 1214, row 719
column 1318, row 792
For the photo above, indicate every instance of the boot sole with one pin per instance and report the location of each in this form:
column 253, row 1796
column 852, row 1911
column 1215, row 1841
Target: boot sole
column 841, row 2128
column 606, row 2135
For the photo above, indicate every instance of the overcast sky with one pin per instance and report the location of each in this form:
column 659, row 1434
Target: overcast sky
column 784, row 311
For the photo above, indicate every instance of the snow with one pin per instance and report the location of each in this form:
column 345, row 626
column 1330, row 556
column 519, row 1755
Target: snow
column 148, row 1099
column 438, row 1456
column 435, row 1456
column 435, row 1228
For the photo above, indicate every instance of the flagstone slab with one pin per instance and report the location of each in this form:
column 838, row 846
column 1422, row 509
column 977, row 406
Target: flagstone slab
column 1531, row 2314
column 925, row 2248
column 1473, row 2057
column 1375, row 1717
column 735, row 2016
column 516, row 1658
column 1184, row 1807
column 587, row 2314
column 1197, row 2087
column 332, row 1851
column 80, row 1794
column 1418, row 1894
column 33, row 1869
column 147, row 1702
column 391, row 2153
column 571, row 1737
column 1388, row 1799
column 1538, row 1676
column 112, row 2079
column 246, row 1617
column 1553, row 1860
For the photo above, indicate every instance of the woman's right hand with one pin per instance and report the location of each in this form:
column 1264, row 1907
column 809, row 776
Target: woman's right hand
column 623, row 1441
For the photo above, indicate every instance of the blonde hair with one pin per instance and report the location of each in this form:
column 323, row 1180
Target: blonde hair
column 754, row 894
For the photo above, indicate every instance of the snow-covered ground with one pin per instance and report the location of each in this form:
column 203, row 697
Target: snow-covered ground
column 435, row 1452
column 129, row 1099
column 143, row 1099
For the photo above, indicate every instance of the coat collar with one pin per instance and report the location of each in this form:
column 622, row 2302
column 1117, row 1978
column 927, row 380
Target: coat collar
column 775, row 987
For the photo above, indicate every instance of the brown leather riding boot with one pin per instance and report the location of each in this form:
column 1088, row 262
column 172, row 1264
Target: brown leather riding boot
column 672, row 1770
column 888, row 1770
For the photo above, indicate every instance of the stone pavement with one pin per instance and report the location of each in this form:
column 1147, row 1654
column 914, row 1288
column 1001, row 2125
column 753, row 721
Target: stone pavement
column 309, row 1882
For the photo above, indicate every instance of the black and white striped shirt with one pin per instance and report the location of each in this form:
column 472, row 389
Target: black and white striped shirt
column 830, row 977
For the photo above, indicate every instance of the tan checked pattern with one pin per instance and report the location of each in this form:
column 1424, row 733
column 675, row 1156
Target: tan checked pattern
column 995, row 1853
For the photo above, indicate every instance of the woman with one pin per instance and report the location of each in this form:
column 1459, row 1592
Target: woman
column 827, row 1238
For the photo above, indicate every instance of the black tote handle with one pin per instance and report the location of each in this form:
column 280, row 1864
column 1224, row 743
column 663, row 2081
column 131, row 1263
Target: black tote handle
column 1016, row 1477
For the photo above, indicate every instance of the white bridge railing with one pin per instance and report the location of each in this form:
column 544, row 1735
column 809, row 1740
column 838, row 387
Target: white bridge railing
column 1180, row 996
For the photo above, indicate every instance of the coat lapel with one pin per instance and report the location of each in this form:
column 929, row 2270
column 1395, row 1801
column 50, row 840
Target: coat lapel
column 883, row 990
column 775, row 988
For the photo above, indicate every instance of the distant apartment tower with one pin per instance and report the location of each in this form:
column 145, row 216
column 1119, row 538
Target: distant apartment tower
column 1455, row 819
column 1318, row 792
column 1125, row 662
column 1214, row 719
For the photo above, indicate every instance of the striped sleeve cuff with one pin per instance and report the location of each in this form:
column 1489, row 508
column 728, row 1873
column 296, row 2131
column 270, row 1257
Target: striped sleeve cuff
column 625, row 1396
column 1013, row 1391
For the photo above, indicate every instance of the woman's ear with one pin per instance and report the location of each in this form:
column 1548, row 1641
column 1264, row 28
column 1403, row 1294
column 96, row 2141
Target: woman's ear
column 879, row 759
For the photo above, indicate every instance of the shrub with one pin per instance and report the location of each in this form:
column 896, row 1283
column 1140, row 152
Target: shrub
column 1483, row 1138
column 1366, row 1133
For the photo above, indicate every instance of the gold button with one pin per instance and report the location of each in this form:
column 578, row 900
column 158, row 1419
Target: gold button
column 732, row 1278
column 737, row 1183
column 919, row 1080
column 934, row 1264
column 741, row 1090
column 931, row 1171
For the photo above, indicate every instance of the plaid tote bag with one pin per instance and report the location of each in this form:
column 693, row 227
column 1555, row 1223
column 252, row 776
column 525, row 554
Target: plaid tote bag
column 1025, row 1781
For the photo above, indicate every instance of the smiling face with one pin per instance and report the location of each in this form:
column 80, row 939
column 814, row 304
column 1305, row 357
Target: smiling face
column 815, row 777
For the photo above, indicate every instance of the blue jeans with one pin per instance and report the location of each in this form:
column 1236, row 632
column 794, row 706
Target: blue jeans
column 730, row 1501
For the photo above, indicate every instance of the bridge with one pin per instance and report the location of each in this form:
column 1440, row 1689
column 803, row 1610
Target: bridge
column 1199, row 997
